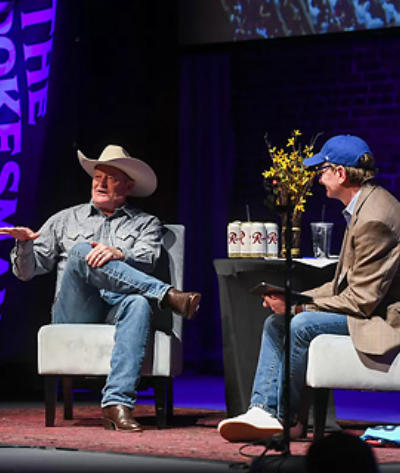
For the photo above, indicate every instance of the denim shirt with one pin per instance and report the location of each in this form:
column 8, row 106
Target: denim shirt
column 136, row 233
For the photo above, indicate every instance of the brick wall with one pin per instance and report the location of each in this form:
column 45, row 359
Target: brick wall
column 348, row 83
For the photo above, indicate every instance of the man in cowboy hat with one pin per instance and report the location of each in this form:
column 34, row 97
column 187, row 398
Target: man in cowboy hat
column 363, row 299
column 104, row 252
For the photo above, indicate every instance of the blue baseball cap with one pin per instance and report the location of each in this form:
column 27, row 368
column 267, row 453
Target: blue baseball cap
column 342, row 149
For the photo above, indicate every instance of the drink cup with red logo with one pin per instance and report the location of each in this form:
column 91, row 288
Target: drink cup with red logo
column 245, row 240
column 272, row 242
column 258, row 240
column 233, row 234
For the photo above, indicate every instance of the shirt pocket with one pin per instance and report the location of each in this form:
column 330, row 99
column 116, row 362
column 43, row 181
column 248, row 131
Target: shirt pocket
column 77, row 235
column 125, row 237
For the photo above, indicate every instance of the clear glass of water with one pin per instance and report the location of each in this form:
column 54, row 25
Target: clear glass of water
column 321, row 237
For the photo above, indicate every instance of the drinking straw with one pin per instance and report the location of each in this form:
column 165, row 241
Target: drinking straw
column 248, row 212
column 323, row 213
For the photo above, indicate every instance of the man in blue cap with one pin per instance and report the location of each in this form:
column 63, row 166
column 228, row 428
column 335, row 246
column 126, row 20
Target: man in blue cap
column 363, row 299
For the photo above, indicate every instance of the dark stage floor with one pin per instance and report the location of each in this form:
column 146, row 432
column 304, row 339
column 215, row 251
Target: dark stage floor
column 39, row 460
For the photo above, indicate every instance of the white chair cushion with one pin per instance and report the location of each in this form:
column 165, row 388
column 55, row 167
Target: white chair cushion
column 334, row 363
column 81, row 349
column 85, row 349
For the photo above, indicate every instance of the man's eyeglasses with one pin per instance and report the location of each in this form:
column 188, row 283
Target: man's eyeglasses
column 322, row 169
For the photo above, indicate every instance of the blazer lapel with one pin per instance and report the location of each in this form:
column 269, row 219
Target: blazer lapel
column 338, row 273
column 365, row 193
column 341, row 268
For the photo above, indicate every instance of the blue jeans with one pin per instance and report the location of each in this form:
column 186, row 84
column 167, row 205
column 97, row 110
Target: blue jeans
column 114, row 293
column 268, row 382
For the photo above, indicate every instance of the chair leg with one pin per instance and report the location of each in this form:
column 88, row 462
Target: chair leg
column 321, row 397
column 304, row 411
column 50, row 399
column 170, row 400
column 67, row 396
column 163, row 400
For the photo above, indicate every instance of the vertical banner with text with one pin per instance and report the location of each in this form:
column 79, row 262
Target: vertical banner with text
column 26, row 39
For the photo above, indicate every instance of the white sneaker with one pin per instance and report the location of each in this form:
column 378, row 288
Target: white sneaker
column 255, row 424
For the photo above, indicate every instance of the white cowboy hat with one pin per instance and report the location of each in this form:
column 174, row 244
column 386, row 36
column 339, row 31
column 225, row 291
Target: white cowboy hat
column 140, row 172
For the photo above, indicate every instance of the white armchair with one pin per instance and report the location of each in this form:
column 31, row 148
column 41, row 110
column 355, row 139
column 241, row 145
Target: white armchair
column 334, row 363
column 84, row 350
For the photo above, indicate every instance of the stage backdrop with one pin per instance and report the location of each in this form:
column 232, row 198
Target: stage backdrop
column 206, row 172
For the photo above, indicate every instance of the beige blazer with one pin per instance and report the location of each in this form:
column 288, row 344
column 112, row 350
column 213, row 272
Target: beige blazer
column 366, row 285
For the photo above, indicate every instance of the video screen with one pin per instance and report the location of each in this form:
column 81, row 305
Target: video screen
column 214, row 21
